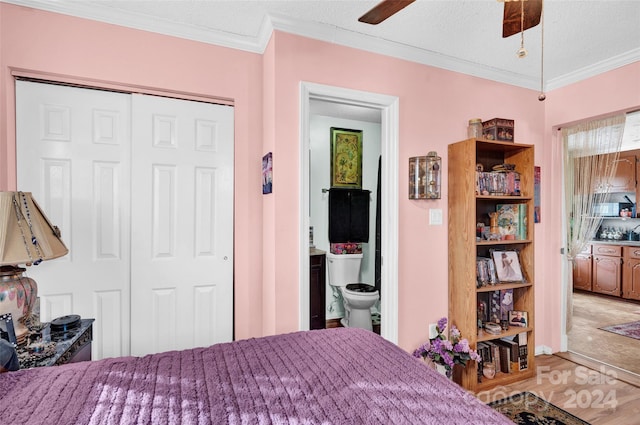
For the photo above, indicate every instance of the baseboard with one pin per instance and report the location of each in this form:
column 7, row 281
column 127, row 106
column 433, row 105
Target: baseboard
column 620, row 374
column 543, row 349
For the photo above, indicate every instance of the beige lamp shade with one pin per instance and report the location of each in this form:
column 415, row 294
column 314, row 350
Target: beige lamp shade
column 22, row 223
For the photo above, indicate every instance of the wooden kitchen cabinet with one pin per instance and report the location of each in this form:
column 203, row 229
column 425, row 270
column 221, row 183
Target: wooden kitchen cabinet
column 631, row 273
column 607, row 269
column 624, row 179
column 582, row 271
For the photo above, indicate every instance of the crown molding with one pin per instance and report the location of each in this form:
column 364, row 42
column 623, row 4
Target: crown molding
column 385, row 47
column 108, row 15
column 322, row 32
column 592, row 70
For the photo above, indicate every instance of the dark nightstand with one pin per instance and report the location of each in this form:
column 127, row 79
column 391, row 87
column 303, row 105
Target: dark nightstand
column 72, row 345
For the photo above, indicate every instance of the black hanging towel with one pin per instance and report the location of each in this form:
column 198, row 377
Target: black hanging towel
column 348, row 215
column 378, row 256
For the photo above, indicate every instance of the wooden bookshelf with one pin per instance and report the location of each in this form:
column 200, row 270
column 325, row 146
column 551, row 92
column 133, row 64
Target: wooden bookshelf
column 466, row 208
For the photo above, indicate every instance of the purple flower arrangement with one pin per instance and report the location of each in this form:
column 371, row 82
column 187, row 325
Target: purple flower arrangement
column 447, row 352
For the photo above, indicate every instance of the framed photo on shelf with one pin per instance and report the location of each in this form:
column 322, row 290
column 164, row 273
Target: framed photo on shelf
column 507, row 266
column 346, row 158
column 485, row 272
column 518, row 318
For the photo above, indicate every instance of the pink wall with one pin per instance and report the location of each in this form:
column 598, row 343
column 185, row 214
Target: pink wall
column 614, row 91
column 434, row 108
column 63, row 47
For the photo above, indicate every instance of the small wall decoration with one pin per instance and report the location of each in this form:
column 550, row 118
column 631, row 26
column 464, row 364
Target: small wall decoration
column 536, row 194
column 346, row 158
column 267, row 173
column 424, row 176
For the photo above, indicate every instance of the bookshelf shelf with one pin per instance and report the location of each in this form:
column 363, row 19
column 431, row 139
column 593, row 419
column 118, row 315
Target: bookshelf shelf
column 467, row 207
column 485, row 336
column 502, row 286
column 497, row 243
column 502, row 198
column 502, row 379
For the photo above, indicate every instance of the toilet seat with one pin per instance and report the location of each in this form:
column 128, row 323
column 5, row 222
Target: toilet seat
column 361, row 288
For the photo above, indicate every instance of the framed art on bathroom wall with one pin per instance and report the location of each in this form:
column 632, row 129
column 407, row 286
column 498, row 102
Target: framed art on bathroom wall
column 346, row 158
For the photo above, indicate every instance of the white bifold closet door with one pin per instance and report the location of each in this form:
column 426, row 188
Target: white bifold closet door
column 142, row 189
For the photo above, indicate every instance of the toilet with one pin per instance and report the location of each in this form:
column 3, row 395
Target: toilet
column 358, row 298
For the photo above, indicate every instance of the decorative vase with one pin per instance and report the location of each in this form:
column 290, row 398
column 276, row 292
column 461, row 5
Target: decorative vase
column 441, row 369
column 17, row 295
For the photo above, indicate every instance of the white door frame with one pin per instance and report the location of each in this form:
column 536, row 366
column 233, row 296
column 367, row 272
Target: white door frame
column 389, row 109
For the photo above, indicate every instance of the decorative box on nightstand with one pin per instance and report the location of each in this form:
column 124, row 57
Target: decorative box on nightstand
column 72, row 344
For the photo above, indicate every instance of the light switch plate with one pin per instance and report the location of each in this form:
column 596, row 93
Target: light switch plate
column 435, row 217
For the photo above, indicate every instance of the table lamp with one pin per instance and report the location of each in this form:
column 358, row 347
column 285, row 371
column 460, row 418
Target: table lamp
column 26, row 238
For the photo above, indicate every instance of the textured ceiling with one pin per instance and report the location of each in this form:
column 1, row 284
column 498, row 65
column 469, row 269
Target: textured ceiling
column 581, row 38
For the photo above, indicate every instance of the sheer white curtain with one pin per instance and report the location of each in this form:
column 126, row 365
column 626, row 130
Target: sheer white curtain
column 591, row 154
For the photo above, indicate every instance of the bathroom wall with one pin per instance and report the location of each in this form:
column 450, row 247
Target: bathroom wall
column 320, row 165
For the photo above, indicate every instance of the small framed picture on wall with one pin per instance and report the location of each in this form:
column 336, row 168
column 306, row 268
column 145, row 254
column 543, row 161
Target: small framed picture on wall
column 267, row 173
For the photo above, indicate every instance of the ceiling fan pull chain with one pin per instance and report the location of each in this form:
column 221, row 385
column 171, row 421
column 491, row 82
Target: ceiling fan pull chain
column 542, row 96
column 522, row 52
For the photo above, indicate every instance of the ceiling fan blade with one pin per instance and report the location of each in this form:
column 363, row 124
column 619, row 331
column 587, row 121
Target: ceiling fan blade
column 511, row 24
column 383, row 10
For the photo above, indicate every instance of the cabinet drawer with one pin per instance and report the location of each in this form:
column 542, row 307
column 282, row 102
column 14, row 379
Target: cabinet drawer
column 631, row 252
column 586, row 250
column 613, row 250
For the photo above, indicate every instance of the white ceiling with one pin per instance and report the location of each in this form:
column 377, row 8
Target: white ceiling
column 581, row 38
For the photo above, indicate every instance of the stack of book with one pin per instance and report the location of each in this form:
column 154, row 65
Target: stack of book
column 498, row 183
column 507, row 354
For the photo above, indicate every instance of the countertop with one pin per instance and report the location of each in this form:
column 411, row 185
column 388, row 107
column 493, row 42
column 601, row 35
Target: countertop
column 621, row 242
column 314, row 251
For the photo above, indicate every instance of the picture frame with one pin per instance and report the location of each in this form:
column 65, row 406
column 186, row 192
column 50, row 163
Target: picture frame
column 518, row 318
column 267, row 173
column 485, row 272
column 507, row 265
column 346, row 158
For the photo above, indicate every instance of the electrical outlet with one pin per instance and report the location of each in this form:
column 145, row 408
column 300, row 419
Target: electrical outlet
column 433, row 331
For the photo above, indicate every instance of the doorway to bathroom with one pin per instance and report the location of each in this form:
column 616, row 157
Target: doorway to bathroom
column 322, row 107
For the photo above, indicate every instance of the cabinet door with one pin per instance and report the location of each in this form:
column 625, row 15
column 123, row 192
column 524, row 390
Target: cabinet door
column 631, row 279
column 607, row 275
column 582, row 272
column 624, row 179
column 317, row 292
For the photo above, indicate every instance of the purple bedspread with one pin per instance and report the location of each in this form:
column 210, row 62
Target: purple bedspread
column 337, row 376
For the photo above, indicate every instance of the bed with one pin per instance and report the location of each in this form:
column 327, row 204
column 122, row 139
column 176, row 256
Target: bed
column 331, row 376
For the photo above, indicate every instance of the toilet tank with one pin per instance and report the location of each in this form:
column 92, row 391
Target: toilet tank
column 343, row 268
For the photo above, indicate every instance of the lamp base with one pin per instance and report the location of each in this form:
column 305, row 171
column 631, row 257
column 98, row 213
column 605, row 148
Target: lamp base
column 18, row 294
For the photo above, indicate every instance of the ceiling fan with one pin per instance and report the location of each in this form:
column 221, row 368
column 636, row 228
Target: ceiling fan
column 511, row 23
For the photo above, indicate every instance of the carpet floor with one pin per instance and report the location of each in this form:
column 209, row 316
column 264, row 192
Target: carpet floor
column 631, row 329
column 528, row 409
